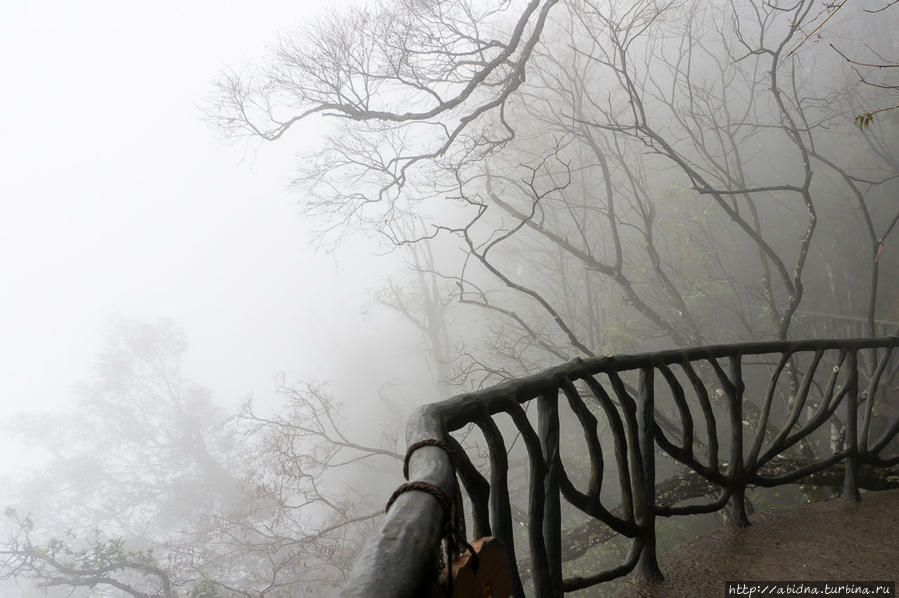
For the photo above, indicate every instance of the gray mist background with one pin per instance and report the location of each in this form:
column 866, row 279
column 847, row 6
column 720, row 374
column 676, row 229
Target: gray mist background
column 118, row 199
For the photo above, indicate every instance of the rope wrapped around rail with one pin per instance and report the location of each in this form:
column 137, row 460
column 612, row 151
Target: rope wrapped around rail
column 451, row 538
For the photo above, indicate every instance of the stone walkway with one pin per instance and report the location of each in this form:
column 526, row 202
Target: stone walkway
column 831, row 540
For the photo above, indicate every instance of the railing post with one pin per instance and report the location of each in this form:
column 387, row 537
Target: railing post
column 737, row 504
column 648, row 565
column 500, row 507
column 850, row 486
column 548, row 430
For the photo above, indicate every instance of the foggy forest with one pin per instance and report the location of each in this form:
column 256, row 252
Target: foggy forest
column 243, row 245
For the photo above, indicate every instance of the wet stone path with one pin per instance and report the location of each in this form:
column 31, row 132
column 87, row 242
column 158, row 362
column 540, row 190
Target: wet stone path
column 833, row 540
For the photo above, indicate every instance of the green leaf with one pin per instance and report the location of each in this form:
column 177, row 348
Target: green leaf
column 863, row 121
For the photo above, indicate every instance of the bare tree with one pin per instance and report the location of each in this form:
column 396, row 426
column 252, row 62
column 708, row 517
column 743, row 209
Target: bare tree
column 875, row 59
column 537, row 141
column 152, row 491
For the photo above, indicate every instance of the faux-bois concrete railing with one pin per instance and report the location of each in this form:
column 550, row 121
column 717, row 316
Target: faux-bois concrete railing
column 806, row 383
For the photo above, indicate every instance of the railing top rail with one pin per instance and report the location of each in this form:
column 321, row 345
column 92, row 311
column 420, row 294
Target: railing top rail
column 401, row 559
column 460, row 409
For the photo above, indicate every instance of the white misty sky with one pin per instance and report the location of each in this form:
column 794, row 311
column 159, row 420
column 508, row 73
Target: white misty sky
column 118, row 199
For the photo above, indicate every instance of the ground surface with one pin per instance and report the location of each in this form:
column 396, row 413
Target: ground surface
column 831, row 540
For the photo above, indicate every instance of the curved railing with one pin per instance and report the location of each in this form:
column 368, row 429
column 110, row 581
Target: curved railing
column 777, row 399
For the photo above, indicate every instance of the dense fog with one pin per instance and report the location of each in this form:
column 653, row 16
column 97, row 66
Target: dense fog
column 240, row 245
